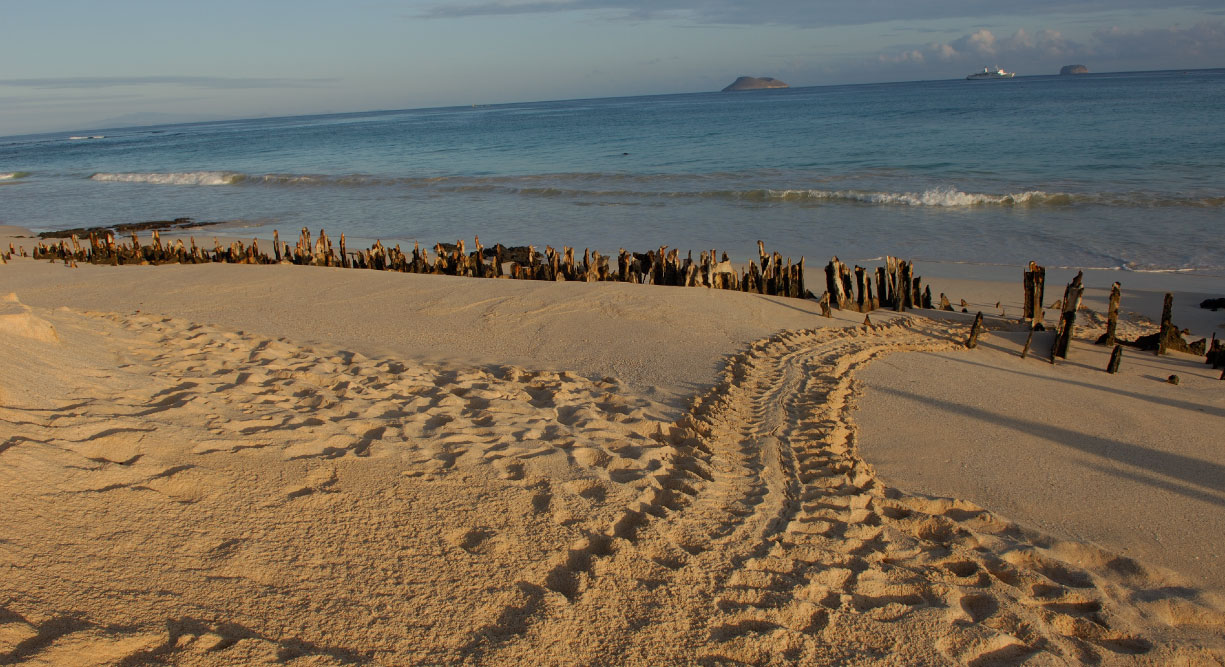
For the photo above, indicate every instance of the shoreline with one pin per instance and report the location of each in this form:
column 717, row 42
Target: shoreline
column 553, row 452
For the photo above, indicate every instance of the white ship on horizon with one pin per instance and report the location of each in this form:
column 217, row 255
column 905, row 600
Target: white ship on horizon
column 987, row 73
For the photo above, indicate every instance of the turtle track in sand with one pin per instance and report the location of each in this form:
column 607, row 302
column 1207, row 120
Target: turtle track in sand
column 766, row 539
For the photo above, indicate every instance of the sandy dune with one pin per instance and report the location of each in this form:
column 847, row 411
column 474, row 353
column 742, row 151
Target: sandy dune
column 186, row 494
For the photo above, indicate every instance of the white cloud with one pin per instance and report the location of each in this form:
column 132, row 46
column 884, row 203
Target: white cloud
column 1042, row 52
column 981, row 43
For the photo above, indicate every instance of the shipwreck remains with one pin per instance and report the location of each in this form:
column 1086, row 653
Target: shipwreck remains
column 771, row 274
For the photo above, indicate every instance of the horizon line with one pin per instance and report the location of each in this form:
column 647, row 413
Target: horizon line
column 571, row 99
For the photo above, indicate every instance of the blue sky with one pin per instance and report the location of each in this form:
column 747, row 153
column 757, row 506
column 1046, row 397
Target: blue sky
column 80, row 64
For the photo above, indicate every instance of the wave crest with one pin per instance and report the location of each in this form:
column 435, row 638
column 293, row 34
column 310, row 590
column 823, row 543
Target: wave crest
column 173, row 178
column 637, row 186
column 13, row 175
column 939, row 197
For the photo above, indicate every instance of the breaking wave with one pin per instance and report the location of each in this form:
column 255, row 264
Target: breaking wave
column 939, row 197
column 13, row 175
column 648, row 186
column 174, row 178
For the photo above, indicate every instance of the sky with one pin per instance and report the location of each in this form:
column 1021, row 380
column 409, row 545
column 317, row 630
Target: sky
column 83, row 64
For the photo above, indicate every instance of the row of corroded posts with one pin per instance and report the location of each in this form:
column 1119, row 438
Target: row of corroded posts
column 771, row 274
column 1168, row 337
column 896, row 287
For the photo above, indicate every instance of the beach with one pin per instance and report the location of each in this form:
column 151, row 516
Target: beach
column 227, row 464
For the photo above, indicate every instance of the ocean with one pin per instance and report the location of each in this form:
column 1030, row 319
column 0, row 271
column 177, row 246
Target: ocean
column 1117, row 171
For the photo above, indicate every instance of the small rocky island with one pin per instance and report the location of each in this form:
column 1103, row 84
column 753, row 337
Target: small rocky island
column 1073, row 69
column 755, row 83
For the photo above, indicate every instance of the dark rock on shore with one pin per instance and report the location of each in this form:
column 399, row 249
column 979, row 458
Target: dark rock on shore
column 1214, row 304
column 755, row 83
column 82, row 232
column 1073, row 69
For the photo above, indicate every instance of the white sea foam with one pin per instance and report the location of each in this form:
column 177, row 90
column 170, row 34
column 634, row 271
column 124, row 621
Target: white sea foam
column 13, row 175
column 555, row 186
column 173, row 178
column 83, row 137
column 939, row 197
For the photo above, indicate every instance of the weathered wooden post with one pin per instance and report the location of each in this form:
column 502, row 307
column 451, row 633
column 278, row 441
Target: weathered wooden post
column 901, row 297
column 975, row 329
column 833, row 283
column 1067, row 320
column 1035, row 286
column 1116, row 356
column 801, row 290
column 1167, row 327
column 480, row 270
column 1112, row 316
column 862, row 300
column 848, row 282
column 1028, row 339
column 1215, row 356
column 824, row 303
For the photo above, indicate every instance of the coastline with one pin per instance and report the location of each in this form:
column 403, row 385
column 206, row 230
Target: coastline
column 623, row 358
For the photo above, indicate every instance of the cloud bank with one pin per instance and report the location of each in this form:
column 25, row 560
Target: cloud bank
column 805, row 13
column 1156, row 48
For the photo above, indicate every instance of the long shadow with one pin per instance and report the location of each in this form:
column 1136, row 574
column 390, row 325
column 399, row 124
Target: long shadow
column 1141, row 477
column 1188, row 471
column 1170, row 402
column 778, row 301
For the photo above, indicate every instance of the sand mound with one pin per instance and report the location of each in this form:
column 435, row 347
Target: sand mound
column 17, row 320
column 203, row 496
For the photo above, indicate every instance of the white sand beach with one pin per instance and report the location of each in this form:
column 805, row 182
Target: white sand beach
column 219, row 464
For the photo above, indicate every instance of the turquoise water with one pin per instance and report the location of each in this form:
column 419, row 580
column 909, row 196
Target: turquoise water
column 1102, row 170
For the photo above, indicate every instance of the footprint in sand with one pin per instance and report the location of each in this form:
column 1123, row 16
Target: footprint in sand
column 320, row 479
column 472, row 540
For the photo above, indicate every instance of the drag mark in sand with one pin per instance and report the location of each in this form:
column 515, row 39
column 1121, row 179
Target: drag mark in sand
column 776, row 543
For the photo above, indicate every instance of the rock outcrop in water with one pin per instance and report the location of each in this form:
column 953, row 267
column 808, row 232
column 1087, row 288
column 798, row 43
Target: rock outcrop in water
column 1073, row 69
column 755, row 83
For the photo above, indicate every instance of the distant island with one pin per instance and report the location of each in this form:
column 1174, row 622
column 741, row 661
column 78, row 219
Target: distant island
column 755, row 83
column 1073, row 69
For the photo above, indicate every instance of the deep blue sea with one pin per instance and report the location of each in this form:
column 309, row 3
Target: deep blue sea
column 1094, row 171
